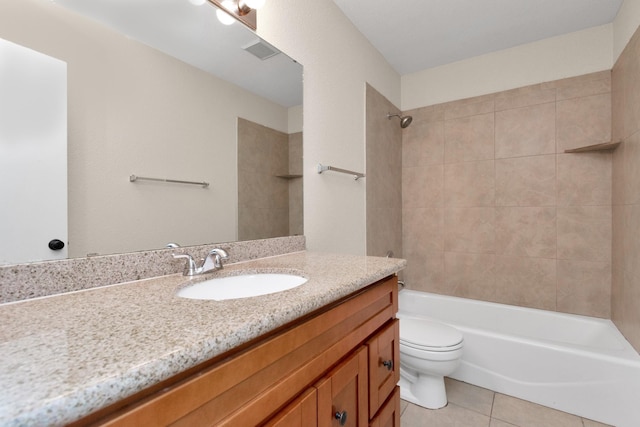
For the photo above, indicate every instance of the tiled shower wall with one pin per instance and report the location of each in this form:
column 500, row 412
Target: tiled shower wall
column 383, row 176
column 269, row 196
column 626, row 192
column 492, row 207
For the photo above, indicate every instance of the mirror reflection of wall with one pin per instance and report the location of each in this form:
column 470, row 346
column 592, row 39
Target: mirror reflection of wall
column 33, row 155
column 133, row 109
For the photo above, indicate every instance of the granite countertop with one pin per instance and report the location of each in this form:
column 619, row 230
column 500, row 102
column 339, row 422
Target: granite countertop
column 65, row 356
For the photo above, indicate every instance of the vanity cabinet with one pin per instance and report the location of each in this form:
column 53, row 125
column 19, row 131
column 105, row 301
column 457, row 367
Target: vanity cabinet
column 337, row 365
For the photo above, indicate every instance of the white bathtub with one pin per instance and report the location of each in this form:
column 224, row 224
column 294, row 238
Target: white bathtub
column 577, row 364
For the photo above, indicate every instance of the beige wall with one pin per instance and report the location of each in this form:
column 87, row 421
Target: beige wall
column 626, row 192
column 133, row 110
column 625, row 25
column 337, row 61
column 550, row 59
column 384, row 177
column 493, row 209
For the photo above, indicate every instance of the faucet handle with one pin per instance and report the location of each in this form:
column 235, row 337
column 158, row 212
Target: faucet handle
column 218, row 255
column 190, row 268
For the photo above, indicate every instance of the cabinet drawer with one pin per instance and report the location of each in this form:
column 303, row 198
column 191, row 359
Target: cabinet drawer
column 384, row 365
column 389, row 414
column 302, row 412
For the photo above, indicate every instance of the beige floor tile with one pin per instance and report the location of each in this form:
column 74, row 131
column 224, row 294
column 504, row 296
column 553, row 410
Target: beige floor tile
column 403, row 406
column 450, row 416
column 589, row 423
column 527, row 414
column 469, row 396
column 499, row 423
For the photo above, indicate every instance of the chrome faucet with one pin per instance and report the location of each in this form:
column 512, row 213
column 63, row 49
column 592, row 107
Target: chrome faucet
column 212, row 262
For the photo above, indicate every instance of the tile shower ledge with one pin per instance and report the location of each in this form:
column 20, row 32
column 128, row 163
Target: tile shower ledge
column 68, row 355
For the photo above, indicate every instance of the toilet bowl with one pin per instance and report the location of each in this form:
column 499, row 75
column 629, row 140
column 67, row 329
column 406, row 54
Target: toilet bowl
column 429, row 351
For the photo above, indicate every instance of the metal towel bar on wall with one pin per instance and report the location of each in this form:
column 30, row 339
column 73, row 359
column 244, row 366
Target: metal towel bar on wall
column 134, row 178
column 356, row 175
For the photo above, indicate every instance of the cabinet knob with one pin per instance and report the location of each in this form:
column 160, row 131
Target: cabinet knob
column 341, row 417
column 388, row 364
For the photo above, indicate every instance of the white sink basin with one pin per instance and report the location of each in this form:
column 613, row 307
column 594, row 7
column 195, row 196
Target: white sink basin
column 242, row 286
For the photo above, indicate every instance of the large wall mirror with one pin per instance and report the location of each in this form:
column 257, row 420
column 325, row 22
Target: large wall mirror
column 161, row 89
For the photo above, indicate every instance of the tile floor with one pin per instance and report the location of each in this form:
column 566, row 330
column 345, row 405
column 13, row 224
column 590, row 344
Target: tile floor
column 471, row 406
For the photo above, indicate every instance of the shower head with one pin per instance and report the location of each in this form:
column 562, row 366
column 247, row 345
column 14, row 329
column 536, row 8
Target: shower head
column 405, row 121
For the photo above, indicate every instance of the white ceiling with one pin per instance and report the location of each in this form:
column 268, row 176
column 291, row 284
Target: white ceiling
column 414, row 35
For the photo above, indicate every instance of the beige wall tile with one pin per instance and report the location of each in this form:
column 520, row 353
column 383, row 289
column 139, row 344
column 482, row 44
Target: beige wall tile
column 617, row 264
column 617, row 174
column 522, row 204
column 524, row 97
column 426, row 273
column 470, row 230
column 526, row 131
column 422, row 187
column 584, row 233
column 631, row 325
column 632, row 169
column 295, row 153
column 470, row 275
column 584, row 287
column 528, row 282
column 465, row 108
column 584, row 179
column 631, row 245
column 431, row 113
column 526, row 231
column 618, row 100
column 632, row 89
column 625, row 292
column 469, row 184
column 388, row 236
column 579, row 80
column 423, row 229
column 469, row 138
column 423, row 143
column 384, row 177
column 588, row 88
column 583, row 121
column 526, row 181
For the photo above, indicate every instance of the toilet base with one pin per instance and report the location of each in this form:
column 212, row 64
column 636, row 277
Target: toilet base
column 427, row 391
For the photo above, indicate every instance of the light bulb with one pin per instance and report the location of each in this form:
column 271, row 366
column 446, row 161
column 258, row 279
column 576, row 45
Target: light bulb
column 223, row 16
column 255, row 4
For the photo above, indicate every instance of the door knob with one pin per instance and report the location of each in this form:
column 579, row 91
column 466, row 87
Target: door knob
column 56, row 244
column 388, row 364
column 341, row 417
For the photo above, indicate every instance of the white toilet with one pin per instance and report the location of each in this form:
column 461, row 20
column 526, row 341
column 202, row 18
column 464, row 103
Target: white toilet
column 429, row 351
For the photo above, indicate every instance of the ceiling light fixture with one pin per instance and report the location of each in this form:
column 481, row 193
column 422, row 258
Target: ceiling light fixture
column 243, row 10
column 224, row 13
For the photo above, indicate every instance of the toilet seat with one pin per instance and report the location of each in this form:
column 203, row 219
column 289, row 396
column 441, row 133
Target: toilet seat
column 427, row 335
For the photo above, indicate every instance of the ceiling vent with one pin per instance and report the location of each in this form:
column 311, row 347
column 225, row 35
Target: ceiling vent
column 261, row 50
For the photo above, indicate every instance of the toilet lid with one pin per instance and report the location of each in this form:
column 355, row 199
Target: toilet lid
column 429, row 335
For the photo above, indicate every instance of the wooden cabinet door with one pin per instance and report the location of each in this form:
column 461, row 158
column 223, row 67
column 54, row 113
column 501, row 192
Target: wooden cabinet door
column 384, row 365
column 389, row 415
column 342, row 394
column 302, row 412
